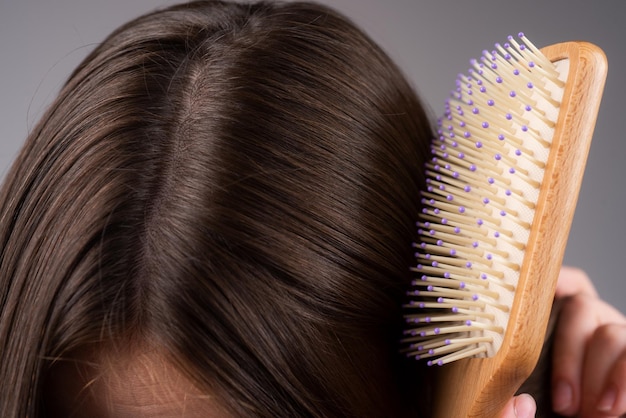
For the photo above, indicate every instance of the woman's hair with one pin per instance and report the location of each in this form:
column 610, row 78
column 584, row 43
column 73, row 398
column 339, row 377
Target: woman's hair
column 235, row 184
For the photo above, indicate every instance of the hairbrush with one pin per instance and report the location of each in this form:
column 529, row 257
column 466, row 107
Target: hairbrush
column 501, row 189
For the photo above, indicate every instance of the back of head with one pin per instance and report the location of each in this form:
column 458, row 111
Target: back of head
column 232, row 184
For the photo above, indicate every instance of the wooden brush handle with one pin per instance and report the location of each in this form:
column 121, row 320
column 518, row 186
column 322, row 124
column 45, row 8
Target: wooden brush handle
column 480, row 387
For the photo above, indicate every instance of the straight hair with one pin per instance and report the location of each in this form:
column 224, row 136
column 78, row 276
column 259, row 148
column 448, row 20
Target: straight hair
column 235, row 183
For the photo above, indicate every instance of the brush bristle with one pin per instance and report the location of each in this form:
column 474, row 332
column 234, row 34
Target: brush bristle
column 483, row 183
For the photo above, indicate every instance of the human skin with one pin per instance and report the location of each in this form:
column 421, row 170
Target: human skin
column 589, row 355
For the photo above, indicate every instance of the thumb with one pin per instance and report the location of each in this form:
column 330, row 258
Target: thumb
column 522, row 406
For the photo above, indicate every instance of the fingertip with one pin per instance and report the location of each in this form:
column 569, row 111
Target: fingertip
column 608, row 399
column 562, row 396
column 525, row 406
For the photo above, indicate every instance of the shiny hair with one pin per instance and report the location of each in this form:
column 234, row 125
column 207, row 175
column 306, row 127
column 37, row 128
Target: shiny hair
column 235, row 183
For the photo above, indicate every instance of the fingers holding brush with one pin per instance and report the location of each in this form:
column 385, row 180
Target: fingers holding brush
column 604, row 373
column 589, row 355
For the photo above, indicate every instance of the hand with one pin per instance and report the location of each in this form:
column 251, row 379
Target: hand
column 522, row 406
column 589, row 354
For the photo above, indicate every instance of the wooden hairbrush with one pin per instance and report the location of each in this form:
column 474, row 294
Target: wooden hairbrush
column 502, row 187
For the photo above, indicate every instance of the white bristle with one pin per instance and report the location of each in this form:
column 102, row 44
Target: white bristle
column 483, row 184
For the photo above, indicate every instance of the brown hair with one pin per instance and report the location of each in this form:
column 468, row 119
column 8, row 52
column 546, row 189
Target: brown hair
column 235, row 183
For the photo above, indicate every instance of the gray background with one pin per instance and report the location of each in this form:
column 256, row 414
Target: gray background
column 41, row 41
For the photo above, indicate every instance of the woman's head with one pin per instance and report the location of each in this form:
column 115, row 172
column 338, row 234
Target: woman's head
column 226, row 190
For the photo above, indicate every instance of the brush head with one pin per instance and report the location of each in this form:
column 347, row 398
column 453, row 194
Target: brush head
column 483, row 184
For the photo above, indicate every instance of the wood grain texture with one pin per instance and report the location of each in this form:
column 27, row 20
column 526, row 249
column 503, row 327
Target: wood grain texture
column 481, row 387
